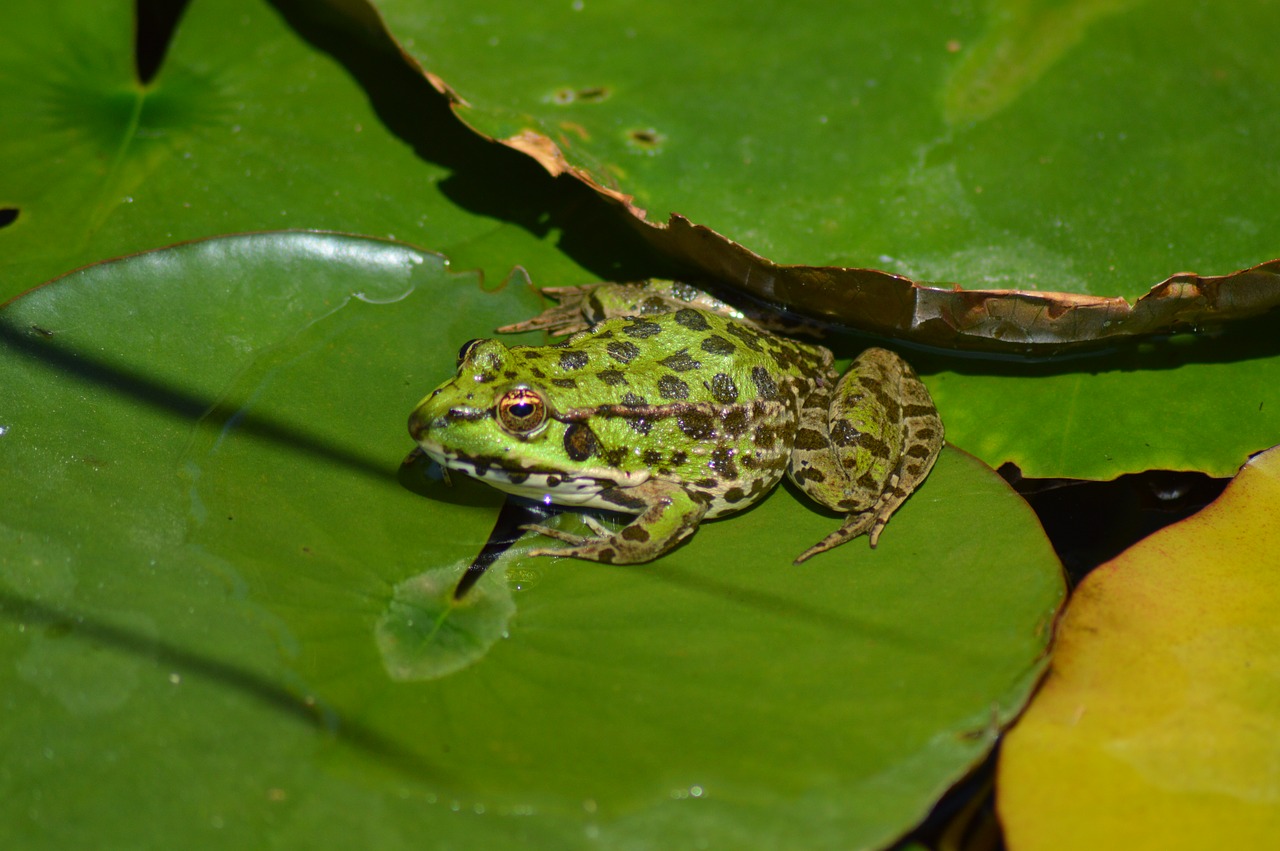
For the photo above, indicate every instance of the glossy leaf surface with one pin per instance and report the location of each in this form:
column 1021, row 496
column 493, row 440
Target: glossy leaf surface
column 213, row 577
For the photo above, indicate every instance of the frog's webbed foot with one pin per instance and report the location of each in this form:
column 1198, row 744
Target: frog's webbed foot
column 854, row 525
column 870, row 523
column 595, row 525
column 670, row 514
column 567, row 316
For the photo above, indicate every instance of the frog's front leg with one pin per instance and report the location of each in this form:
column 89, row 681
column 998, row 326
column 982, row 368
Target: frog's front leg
column 668, row 515
column 865, row 447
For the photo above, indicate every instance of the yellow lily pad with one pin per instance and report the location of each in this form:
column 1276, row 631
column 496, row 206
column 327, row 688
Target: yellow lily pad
column 1159, row 723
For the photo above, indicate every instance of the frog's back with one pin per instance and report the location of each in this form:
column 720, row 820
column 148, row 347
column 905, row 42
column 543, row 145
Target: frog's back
column 689, row 356
column 690, row 396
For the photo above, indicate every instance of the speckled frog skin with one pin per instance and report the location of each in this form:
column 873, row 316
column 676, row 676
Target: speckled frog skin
column 667, row 408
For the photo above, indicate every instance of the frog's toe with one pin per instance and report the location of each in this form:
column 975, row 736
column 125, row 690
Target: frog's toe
column 855, row 525
column 558, row 534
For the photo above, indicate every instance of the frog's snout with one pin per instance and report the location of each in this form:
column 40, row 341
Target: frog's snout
column 419, row 423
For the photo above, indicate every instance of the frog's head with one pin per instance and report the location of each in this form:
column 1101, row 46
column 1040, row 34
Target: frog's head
column 498, row 421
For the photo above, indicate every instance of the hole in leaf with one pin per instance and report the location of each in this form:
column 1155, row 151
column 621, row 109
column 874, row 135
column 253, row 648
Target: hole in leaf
column 645, row 139
column 8, row 215
column 156, row 21
column 593, row 94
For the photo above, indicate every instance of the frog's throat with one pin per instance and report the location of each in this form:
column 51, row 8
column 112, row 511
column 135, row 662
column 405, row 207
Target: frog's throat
column 579, row 488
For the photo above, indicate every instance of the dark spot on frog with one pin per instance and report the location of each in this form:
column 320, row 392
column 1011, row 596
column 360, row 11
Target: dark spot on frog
column 670, row 387
column 573, row 360
column 652, row 457
column 653, row 306
column 611, row 377
column 620, row 497
column 635, row 533
column 680, row 362
column 766, row 387
column 733, row 495
column 749, row 336
column 877, row 447
column 623, row 352
column 606, row 555
column 722, row 388
column 531, row 354
column 595, row 308
column 518, row 478
column 703, row 498
column 706, row 484
column 717, row 345
column 843, row 433
column 563, row 344
column 509, row 374
column 537, row 373
column 580, row 442
column 919, row 451
column 918, row 411
column 925, row 434
column 604, row 335
column 642, row 329
column 691, row 319
column 631, row 400
column 696, row 423
column 811, row 439
column 554, row 481
column 615, row 457
column 808, row 474
column 679, row 457
column 566, row 383
column 734, row 421
column 722, row 462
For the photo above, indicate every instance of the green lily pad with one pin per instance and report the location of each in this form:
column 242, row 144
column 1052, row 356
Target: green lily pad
column 254, row 122
column 208, row 571
column 1004, row 146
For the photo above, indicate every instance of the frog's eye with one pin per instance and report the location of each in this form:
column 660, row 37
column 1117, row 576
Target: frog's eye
column 466, row 349
column 522, row 411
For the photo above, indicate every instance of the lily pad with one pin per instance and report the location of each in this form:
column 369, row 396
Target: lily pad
column 854, row 164
column 212, row 539
column 258, row 119
column 1157, row 724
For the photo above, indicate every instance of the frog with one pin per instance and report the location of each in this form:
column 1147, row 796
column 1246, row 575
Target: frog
column 669, row 405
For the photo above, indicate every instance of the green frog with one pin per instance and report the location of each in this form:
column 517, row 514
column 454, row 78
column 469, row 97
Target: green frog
column 669, row 405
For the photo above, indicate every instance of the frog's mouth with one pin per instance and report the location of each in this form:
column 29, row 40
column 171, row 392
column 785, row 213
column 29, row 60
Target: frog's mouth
column 548, row 486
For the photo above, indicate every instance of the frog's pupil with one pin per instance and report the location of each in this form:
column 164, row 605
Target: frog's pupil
column 521, row 410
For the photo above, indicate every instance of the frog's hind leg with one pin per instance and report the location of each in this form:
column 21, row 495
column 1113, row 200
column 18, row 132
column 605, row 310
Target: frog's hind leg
column 667, row 515
column 872, row 448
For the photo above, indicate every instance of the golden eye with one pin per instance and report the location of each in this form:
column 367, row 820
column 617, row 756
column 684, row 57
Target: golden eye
column 521, row 411
column 466, row 349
